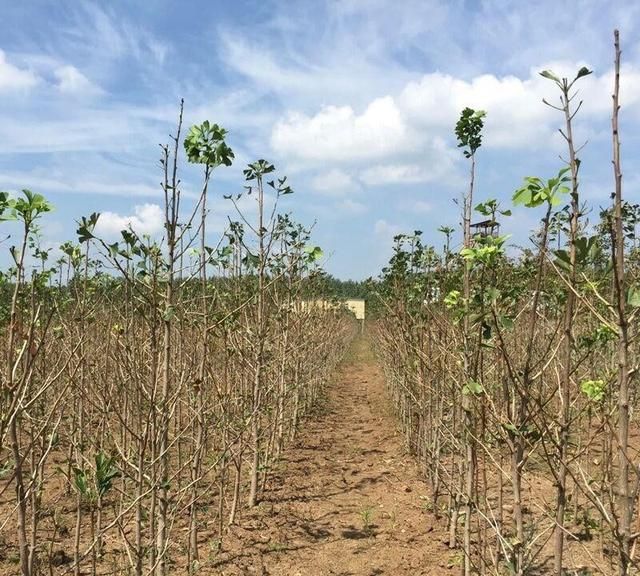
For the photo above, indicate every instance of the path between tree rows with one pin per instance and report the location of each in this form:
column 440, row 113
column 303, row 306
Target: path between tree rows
column 347, row 499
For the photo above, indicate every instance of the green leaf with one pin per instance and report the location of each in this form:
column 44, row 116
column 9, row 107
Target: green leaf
column 562, row 259
column 556, row 200
column 5, row 204
column 633, row 297
column 5, row 469
column 81, row 482
column 205, row 144
column 484, row 208
column 472, row 387
column 550, row 75
column 507, row 322
column 114, row 249
column 314, row 253
column 492, row 293
column 86, row 227
column 106, row 472
column 251, row 260
column 452, row 298
column 468, row 253
column 524, row 196
column 468, row 130
column 584, row 71
column 594, row 390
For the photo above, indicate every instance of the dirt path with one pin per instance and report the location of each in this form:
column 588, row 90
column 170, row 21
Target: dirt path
column 347, row 499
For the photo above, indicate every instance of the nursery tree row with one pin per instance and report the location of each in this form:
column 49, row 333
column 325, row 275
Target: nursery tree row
column 513, row 372
column 150, row 384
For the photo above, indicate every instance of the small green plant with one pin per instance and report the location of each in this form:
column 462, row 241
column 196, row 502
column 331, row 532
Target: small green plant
column 587, row 523
column 427, row 504
column 96, row 483
column 594, row 390
column 276, row 547
column 456, row 559
column 214, row 548
column 366, row 516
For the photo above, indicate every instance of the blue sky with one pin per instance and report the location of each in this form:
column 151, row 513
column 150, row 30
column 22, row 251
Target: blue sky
column 354, row 100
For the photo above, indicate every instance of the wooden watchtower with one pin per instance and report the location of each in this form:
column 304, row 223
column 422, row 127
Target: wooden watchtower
column 486, row 228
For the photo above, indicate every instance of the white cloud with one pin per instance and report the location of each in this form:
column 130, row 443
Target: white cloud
column 421, row 206
column 403, row 174
column 596, row 91
column 314, row 73
column 146, row 219
column 72, row 81
column 516, row 115
column 14, row 78
column 385, row 229
column 61, row 128
column 417, row 124
column 436, row 162
column 99, row 28
column 46, row 184
column 352, row 207
column 412, row 132
column 338, row 134
column 336, row 182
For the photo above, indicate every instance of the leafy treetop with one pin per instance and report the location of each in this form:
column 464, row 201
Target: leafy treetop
column 469, row 130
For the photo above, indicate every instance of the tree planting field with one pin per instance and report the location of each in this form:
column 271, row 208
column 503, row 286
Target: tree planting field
column 170, row 405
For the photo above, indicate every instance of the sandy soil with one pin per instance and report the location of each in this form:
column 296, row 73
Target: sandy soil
column 347, row 499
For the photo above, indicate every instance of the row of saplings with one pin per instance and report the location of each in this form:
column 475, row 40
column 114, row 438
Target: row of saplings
column 514, row 378
column 149, row 385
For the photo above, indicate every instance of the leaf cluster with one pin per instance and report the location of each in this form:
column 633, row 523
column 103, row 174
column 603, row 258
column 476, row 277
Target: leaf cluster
column 469, row 130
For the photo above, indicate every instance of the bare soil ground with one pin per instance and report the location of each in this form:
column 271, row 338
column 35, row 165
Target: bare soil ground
column 347, row 499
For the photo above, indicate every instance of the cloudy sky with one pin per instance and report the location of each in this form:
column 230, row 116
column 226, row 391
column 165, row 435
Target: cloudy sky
column 354, row 100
